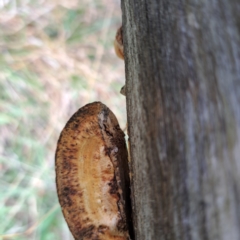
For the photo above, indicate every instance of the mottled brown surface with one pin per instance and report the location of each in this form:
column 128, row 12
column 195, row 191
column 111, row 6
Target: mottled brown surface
column 118, row 43
column 92, row 175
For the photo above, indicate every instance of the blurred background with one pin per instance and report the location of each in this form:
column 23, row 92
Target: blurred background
column 55, row 57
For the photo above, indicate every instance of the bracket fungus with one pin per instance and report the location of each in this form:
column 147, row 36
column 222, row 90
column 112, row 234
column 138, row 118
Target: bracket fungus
column 92, row 175
column 118, row 46
column 118, row 43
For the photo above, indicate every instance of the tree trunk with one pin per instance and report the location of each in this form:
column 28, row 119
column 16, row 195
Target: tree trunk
column 183, row 95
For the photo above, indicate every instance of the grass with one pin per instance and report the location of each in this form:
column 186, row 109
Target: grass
column 56, row 56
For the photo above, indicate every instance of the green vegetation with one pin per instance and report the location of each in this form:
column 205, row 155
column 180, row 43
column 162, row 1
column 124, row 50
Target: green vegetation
column 55, row 57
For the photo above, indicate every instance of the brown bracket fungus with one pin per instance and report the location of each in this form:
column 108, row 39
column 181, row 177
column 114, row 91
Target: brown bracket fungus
column 92, row 175
column 118, row 43
column 118, row 46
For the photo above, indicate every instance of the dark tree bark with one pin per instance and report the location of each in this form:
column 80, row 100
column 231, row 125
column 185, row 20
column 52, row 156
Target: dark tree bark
column 183, row 94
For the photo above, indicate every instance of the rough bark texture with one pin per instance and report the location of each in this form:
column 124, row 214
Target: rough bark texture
column 183, row 95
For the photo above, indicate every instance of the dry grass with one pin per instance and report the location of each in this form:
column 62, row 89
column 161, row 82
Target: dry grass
column 56, row 56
